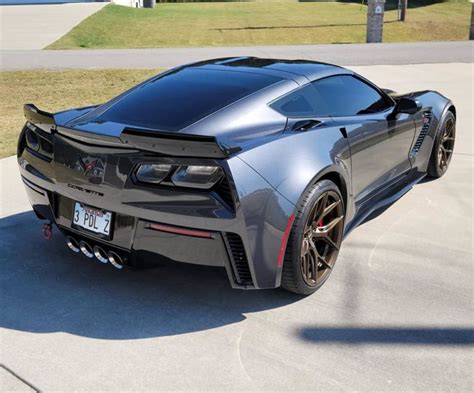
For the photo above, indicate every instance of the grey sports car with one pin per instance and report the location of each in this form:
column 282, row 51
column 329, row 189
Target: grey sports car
column 260, row 166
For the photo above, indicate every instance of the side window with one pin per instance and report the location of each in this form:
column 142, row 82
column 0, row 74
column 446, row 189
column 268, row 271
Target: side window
column 348, row 96
column 304, row 102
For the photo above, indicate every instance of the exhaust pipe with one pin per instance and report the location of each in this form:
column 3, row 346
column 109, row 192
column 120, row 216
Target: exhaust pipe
column 72, row 244
column 115, row 260
column 100, row 254
column 86, row 249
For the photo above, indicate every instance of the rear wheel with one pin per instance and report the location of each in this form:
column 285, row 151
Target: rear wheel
column 315, row 239
column 443, row 147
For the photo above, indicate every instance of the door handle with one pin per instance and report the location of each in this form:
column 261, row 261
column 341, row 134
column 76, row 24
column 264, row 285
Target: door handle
column 305, row 125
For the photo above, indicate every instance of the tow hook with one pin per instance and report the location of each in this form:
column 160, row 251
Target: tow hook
column 48, row 231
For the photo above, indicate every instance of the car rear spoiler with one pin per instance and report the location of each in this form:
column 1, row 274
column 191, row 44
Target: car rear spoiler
column 42, row 119
column 180, row 145
column 172, row 144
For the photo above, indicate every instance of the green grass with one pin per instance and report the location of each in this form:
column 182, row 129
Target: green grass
column 259, row 23
column 54, row 91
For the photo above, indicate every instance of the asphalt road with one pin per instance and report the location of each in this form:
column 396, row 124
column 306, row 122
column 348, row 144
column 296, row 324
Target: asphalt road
column 36, row 26
column 396, row 314
column 343, row 54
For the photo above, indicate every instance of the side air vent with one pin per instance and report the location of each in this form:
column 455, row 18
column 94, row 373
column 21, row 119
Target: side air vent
column 424, row 130
column 225, row 192
column 239, row 260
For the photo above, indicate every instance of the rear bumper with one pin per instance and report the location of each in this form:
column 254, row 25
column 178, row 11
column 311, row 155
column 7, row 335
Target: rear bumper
column 246, row 237
column 138, row 243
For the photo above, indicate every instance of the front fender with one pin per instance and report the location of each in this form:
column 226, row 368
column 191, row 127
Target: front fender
column 436, row 105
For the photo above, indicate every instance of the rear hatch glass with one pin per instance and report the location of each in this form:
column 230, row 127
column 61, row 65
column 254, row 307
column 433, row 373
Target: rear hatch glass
column 177, row 100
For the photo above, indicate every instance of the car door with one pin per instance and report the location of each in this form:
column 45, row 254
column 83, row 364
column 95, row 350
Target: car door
column 379, row 140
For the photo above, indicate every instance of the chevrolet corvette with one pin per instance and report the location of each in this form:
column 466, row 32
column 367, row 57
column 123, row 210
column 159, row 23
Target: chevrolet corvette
column 258, row 166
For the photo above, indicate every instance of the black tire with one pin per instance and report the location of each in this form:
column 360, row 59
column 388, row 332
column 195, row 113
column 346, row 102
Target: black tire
column 439, row 159
column 293, row 277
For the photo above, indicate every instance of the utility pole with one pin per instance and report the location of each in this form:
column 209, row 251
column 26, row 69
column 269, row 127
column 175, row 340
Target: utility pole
column 471, row 32
column 402, row 6
column 375, row 11
column 149, row 3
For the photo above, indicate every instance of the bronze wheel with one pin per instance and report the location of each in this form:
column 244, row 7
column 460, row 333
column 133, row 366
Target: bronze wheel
column 315, row 239
column 443, row 147
column 446, row 145
column 322, row 238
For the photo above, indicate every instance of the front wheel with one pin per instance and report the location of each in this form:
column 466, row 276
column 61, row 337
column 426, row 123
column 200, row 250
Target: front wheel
column 443, row 147
column 315, row 239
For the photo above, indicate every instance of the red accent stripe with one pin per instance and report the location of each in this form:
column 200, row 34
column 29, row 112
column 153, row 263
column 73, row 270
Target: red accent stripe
column 181, row 231
column 284, row 240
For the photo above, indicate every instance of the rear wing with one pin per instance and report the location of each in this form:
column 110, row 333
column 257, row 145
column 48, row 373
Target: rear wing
column 178, row 145
column 172, row 144
column 41, row 119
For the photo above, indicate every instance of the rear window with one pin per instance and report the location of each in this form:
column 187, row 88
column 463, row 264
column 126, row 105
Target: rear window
column 177, row 100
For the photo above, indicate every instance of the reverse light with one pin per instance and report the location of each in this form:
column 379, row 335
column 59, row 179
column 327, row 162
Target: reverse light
column 197, row 176
column 152, row 173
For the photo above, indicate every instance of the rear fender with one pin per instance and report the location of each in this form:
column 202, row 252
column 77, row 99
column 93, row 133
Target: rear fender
column 263, row 214
column 272, row 178
column 297, row 160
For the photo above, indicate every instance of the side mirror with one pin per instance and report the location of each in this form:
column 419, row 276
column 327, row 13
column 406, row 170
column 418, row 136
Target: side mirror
column 408, row 105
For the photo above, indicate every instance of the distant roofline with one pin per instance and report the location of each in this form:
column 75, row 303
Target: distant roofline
column 292, row 69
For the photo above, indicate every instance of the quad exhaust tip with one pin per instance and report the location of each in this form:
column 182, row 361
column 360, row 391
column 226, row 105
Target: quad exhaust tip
column 86, row 249
column 90, row 252
column 101, row 255
column 72, row 244
column 115, row 260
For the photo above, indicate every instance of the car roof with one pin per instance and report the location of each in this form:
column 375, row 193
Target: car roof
column 234, row 88
column 297, row 70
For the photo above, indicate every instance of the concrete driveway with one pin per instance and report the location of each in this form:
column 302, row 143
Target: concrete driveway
column 36, row 26
column 396, row 315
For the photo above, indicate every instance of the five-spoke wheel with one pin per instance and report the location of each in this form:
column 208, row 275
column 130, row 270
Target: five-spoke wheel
column 443, row 147
column 318, row 228
column 322, row 238
column 315, row 239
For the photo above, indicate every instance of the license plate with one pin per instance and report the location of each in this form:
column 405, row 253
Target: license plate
column 95, row 220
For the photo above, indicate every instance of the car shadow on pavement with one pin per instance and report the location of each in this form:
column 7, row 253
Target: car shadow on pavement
column 393, row 335
column 47, row 288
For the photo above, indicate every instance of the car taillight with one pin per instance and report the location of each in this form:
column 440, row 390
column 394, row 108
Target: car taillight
column 36, row 141
column 191, row 176
column 152, row 173
column 32, row 139
column 196, row 176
